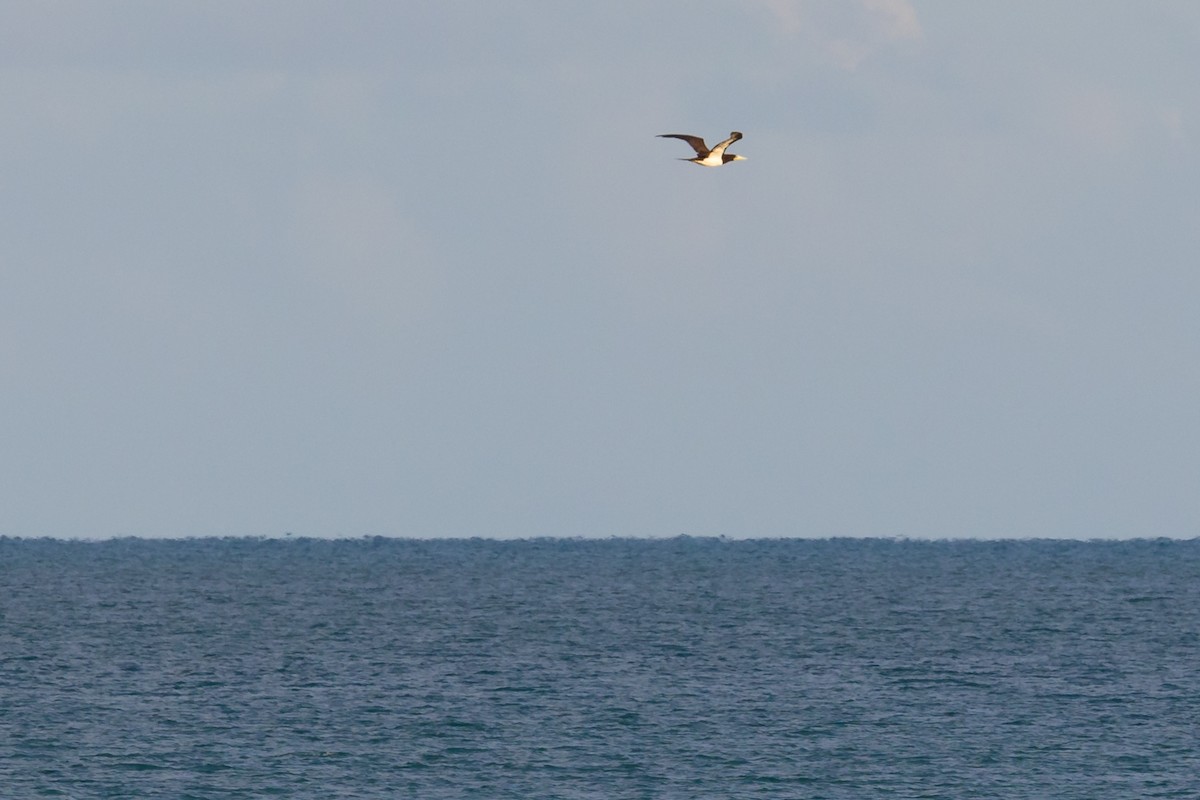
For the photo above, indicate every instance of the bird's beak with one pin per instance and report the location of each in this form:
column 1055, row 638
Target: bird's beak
column 739, row 158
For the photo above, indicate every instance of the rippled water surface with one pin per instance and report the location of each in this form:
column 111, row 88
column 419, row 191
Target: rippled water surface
column 688, row 668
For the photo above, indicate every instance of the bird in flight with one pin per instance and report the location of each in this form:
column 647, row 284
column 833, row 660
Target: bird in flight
column 715, row 157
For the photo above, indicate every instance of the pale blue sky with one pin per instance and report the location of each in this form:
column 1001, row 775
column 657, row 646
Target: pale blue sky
column 422, row 269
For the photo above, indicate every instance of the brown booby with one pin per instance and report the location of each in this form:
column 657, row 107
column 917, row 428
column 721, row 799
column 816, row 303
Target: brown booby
column 704, row 157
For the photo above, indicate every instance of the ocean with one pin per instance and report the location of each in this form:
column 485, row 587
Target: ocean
column 680, row 669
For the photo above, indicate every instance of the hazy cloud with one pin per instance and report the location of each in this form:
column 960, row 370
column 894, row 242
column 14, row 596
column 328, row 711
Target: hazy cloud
column 846, row 32
column 896, row 19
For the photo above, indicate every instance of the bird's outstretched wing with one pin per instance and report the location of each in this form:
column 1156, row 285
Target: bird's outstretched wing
column 695, row 141
column 719, row 149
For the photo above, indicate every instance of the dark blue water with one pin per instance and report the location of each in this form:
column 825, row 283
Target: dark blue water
column 599, row 669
